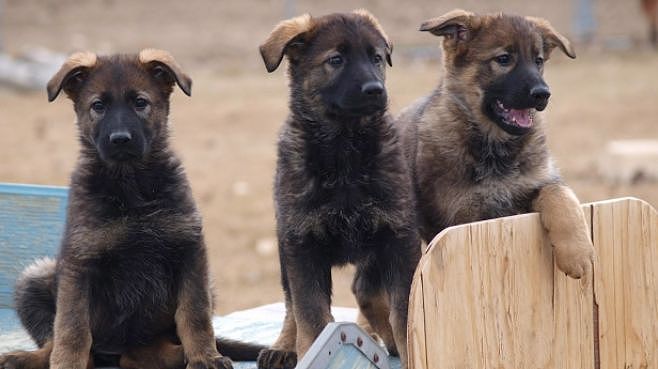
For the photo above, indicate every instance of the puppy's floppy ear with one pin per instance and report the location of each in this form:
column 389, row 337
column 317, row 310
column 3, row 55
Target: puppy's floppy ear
column 552, row 38
column 284, row 36
column 71, row 75
column 456, row 25
column 375, row 23
column 163, row 67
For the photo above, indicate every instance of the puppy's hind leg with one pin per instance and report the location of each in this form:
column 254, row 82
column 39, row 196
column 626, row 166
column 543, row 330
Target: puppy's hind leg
column 35, row 305
column 563, row 219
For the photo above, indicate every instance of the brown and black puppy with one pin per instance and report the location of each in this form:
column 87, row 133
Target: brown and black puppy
column 476, row 144
column 343, row 191
column 130, row 285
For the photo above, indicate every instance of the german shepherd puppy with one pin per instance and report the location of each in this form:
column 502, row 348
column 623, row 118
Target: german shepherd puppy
column 476, row 144
column 130, row 285
column 343, row 191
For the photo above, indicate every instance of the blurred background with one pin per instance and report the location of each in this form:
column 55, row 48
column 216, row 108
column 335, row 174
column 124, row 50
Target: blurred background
column 226, row 133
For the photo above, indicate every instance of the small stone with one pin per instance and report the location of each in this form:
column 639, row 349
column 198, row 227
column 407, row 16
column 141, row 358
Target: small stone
column 266, row 246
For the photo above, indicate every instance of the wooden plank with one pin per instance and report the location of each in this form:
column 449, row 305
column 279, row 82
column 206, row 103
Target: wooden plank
column 491, row 300
column 626, row 239
column 416, row 345
column 440, row 320
column 605, row 285
column 31, row 225
column 641, row 286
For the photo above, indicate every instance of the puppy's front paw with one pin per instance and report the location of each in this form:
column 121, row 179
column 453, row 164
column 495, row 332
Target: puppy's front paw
column 275, row 359
column 22, row 360
column 215, row 362
column 574, row 256
column 392, row 350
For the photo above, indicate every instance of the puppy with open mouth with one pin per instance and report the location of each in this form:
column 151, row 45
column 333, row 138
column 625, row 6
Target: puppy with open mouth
column 476, row 145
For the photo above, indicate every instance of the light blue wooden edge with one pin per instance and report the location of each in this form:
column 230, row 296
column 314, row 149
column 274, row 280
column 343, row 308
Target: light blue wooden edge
column 32, row 220
column 35, row 190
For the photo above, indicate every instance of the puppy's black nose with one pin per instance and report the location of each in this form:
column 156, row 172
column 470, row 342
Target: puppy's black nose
column 540, row 93
column 120, row 138
column 372, row 88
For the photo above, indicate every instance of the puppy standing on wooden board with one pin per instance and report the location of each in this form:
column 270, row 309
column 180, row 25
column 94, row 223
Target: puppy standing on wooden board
column 476, row 145
column 343, row 191
column 130, row 285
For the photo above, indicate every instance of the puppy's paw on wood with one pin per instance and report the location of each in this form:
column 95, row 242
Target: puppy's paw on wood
column 216, row 362
column 574, row 256
column 275, row 359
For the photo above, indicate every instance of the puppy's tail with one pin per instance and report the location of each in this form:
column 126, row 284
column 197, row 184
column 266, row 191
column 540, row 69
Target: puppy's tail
column 237, row 350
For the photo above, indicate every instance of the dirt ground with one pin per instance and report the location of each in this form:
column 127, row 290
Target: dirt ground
column 226, row 133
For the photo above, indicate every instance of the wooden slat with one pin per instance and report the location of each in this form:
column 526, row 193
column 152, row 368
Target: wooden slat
column 490, row 300
column 626, row 239
column 489, row 296
column 416, row 325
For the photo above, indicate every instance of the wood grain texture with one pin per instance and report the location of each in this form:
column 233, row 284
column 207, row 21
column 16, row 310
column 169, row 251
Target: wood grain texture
column 626, row 239
column 488, row 295
column 416, row 324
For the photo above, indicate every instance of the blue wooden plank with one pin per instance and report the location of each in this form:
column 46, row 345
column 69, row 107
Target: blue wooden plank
column 12, row 335
column 31, row 224
column 28, row 189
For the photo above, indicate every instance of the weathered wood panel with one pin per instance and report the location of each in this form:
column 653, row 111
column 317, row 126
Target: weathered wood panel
column 487, row 295
column 626, row 239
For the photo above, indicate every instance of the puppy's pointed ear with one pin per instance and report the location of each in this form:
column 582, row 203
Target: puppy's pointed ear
column 456, row 26
column 375, row 23
column 284, row 36
column 552, row 38
column 71, row 75
column 163, row 67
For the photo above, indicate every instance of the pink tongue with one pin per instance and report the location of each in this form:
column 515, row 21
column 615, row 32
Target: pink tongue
column 522, row 117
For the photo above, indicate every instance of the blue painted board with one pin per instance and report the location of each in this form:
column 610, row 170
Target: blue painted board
column 31, row 225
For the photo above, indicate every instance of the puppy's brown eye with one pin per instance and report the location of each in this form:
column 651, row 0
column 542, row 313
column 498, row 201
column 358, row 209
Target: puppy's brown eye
column 98, row 107
column 335, row 61
column 141, row 103
column 539, row 61
column 504, row 59
column 377, row 59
